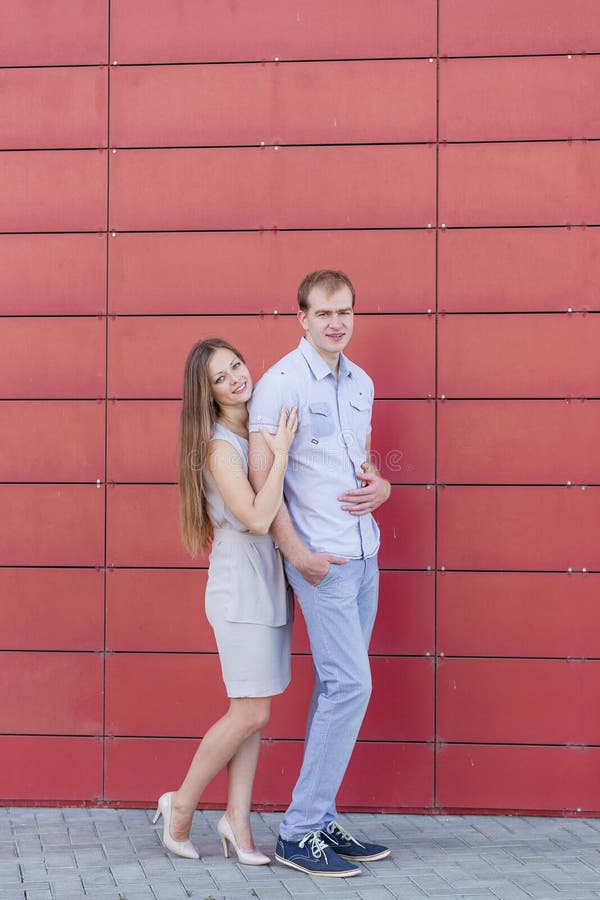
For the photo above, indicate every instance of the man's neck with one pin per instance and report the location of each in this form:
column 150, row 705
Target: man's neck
column 332, row 359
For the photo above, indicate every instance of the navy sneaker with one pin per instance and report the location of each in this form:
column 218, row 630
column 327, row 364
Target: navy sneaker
column 313, row 856
column 342, row 843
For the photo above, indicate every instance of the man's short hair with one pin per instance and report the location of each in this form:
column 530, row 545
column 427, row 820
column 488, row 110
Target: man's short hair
column 327, row 279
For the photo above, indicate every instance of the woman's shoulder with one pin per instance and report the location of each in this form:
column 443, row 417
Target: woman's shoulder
column 222, row 441
column 220, row 432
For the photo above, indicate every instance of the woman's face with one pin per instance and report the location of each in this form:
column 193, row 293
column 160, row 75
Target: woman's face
column 229, row 377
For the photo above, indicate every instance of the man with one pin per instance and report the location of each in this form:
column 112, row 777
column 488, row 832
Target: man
column 329, row 540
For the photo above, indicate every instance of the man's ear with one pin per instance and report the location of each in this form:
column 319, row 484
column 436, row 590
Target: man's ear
column 301, row 316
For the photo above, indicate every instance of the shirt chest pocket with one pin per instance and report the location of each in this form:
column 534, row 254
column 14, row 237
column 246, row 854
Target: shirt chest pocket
column 321, row 419
column 360, row 415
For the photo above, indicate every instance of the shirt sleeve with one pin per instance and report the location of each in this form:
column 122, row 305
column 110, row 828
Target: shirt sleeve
column 271, row 393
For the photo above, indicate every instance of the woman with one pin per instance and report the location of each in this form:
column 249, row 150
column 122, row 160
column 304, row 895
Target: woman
column 247, row 600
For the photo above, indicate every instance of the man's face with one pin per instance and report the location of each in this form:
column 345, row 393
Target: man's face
column 328, row 321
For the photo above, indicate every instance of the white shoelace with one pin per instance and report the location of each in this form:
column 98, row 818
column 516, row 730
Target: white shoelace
column 345, row 835
column 316, row 844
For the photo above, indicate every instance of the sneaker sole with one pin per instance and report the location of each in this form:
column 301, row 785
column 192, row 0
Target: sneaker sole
column 286, row 862
column 375, row 856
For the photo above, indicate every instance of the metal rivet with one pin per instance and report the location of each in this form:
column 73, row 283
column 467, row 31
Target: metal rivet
column 115, row 63
column 442, row 225
column 578, row 808
column 441, row 653
column 275, row 147
column 431, row 59
column 583, row 487
column 275, row 312
column 569, row 483
column 442, row 396
column 429, row 225
column 429, row 311
column 113, row 234
column 570, row 57
column 427, row 653
column 114, row 151
column 262, row 143
column 276, row 59
column 442, row 568
column 570, row 309
column 428, row 487
column 429, row 568
column 570, row 570
column 584, row 570
column 98, row 482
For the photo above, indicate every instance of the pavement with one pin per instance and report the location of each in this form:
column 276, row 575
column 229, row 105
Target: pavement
column 58, row 854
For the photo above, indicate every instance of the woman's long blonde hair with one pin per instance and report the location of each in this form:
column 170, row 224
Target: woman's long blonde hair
column 199, row 413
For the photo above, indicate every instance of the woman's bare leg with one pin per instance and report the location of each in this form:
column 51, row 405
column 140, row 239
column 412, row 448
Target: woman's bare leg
column 245, row 717
column 240, row 779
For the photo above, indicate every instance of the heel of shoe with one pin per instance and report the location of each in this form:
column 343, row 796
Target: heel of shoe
column 157, row 816
column 225, row 843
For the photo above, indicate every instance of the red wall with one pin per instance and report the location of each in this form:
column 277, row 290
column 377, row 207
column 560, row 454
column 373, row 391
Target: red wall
column 170, row 171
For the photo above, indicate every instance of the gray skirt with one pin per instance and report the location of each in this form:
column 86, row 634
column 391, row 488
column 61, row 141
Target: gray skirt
column 250, row 608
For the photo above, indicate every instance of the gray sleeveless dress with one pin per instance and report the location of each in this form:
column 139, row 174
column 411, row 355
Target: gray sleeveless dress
column 248, row 602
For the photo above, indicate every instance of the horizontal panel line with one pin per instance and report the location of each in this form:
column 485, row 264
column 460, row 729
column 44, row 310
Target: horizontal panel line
column 268, row 314
column 115, row 482
column 566, row 746
column 428, row 656
column 425, row 142
column 263, row 314
column 109, row 567
column 292, row 230
column 300, row 145
column 431, row 399
column 262, row 62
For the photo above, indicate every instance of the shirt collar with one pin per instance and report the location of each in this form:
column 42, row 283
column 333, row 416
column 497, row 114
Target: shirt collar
column 317, row 364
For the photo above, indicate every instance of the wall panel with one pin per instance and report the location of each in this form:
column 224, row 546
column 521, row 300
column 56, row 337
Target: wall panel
column 407, row 524
column 50, row 768
column 143, row 527
column 484, row 27
column 52, row 609
column 51, row 440
column 519, row 356
column 536, row 98
column 287, row 187
column 61, row 107
column 52, row 525
column 519, row 269
column 532, row 614
column 61, row 33
column 62, row 357
column 524, row 701
column 147, row 31
column 523, row 528
column 53, row 190
column 259, row 272
column 69, row 275
column 553, row 183
column 492, row 777
column 352, row 102
column 73, row 706
column 519, row 441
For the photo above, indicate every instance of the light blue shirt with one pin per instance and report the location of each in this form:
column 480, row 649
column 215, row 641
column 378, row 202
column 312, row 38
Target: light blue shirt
column 334, row 421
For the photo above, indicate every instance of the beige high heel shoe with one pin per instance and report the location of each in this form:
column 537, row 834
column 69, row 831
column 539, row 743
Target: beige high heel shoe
column 247, row 858
column 179, row 848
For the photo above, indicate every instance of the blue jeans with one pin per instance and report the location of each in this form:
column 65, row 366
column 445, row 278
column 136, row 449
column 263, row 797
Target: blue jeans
column 339, row 613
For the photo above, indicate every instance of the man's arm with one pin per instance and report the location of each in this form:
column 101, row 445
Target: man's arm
column 375, row 490
column 312, row 566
